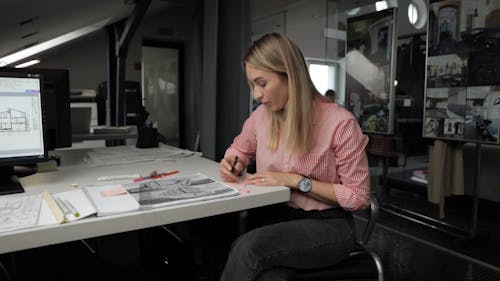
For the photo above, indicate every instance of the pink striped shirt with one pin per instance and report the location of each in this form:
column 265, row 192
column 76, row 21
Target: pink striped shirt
column 337, row 156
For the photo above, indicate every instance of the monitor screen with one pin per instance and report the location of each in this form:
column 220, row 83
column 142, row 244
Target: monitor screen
column 56, row 96
column 22, row 132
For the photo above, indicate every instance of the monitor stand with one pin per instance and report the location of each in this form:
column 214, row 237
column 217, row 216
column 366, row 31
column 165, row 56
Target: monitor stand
column 9, row 181
column 10, row 184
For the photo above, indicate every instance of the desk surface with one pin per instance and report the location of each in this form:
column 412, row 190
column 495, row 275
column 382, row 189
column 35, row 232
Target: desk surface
column 74, row 170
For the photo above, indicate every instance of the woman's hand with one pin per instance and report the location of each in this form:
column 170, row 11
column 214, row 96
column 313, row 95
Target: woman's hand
column 274, row 178
column 230, row 168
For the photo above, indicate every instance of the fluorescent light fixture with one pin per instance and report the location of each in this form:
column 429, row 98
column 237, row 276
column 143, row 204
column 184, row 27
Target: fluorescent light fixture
column 28, row 63
column 354, row 11
column 386, row 4
column 381, row 5
column 36, row 49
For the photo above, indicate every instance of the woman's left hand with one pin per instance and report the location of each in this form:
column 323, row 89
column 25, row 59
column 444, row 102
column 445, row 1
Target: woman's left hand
column 273, row 178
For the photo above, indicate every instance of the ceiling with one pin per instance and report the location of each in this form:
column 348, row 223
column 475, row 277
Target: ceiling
column 27, row 22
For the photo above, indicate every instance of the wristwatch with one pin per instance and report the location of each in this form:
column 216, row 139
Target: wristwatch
column 305, row 184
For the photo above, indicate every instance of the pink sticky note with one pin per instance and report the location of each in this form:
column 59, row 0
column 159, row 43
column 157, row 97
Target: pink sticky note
column 120, row 190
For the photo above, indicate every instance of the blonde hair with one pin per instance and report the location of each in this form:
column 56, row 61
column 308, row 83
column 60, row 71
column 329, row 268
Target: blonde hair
column 277, row 53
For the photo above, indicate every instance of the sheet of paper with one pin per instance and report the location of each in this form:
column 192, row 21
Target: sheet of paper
column 19, row 211
column 178, row 190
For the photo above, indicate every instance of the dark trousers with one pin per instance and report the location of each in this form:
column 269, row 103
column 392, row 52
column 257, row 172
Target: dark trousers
column 290, row 239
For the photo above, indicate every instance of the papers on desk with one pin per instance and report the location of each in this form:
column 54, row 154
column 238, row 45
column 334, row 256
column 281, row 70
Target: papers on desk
column 24, row 211
column 19, row 211
column 103, row 200
column 178, row 190
column 118, row 155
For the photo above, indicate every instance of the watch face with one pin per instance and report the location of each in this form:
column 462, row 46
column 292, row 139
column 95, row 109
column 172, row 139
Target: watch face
column 305, row 184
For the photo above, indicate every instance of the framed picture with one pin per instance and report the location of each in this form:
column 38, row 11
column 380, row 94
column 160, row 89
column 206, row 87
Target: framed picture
column 462, row 97
column 370, row 64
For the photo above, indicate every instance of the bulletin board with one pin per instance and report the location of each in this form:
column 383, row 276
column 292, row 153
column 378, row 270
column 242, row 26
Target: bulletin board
column 462, row 97
column 370, row 67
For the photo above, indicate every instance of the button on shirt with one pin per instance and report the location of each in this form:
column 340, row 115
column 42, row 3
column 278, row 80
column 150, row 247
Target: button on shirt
column 337, row 155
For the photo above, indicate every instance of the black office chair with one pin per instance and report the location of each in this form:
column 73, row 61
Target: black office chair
column 361, row 264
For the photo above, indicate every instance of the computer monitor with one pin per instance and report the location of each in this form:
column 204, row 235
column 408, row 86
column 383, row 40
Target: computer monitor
column 22, row 126
column 56, row 93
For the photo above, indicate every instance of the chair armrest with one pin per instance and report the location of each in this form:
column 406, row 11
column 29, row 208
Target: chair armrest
column 372, row 219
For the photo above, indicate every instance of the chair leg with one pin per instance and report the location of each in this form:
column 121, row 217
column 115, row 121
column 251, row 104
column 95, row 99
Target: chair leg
column 378, row 264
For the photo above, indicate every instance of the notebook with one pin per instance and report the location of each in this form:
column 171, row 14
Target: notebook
column 111, row 199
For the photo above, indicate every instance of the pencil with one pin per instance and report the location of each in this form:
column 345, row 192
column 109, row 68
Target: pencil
column 234, row 164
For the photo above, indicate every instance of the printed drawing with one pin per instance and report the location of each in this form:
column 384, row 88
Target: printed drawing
column 178, row 190
column 19, row 211
column 13, row 120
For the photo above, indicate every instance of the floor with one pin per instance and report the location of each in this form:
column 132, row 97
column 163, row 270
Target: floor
column 410, row 251
column 414, row 244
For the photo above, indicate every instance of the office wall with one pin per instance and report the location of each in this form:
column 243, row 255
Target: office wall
column 86, row 58
column 304, row 22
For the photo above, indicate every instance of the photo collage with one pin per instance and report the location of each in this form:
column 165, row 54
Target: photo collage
column 462, row 99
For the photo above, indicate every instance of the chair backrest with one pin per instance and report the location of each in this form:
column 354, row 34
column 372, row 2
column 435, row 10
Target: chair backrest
column 372, row 220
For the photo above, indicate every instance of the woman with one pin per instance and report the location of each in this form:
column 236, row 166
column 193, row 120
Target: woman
column 302, row 140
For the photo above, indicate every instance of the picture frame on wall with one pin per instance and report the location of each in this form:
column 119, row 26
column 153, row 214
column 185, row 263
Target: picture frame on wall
column 370, row 64
column 462, row 93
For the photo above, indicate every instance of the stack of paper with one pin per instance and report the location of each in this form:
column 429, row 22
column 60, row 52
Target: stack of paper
column 420, row 175
column 178, row 190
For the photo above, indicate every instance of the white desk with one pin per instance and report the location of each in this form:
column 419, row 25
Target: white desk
column 73, row 170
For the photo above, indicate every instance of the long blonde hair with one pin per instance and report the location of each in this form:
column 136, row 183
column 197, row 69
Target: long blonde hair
column 277, row 53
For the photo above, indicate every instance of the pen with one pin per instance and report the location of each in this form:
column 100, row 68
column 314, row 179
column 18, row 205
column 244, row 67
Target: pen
column 155, row 175
column 164, row 174
column 234, row 164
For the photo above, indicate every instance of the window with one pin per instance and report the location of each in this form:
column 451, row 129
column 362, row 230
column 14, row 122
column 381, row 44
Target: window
column 321, row 75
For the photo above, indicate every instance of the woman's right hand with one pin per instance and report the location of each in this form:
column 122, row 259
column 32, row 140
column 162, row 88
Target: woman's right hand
column 230, row 168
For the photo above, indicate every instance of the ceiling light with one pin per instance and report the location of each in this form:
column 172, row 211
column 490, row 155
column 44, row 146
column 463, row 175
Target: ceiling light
column 354, row 11
column 417, row 13
column 412, row 13
column 36, row 49
column 381, row 5
column 28, row 63
column 386, row 4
